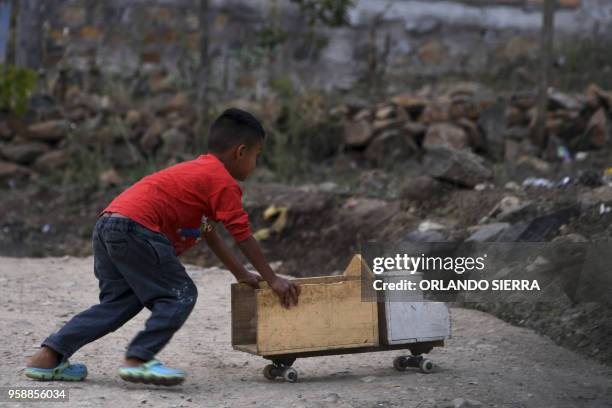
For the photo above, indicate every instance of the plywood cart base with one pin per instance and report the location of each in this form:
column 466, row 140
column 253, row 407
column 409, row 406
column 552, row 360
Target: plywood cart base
column 281, row 366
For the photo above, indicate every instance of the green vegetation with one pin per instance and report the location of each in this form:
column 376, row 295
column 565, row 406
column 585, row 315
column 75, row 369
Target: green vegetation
column 16, row 85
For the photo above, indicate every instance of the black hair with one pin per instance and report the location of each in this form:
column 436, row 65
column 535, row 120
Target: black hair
column 234, row 126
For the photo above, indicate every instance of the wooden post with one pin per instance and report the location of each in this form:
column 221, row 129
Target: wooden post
column 546, row 44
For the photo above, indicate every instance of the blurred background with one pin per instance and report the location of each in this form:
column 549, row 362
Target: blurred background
column 465, row 120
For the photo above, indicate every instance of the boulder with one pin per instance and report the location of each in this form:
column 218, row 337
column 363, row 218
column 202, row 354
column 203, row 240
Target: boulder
column 385, row 112
column 6, row 133
column 49, row 131
column 560, row 100
column 596, row 196
column 421, row 189
column 412, row 104
column 52, row 160
column 11, row 171
column 598, row 130
column 597, row 97
column 475, row 136
column 436, row 111
column 446, row 134
column 24, row 153
column 462, row 107
column 382, row 125
column 457, row 166
column 487, row 232
column 391, row 147
column 492, row 123
column 357, row 133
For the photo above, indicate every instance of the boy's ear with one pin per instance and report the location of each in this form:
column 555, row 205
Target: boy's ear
column 241, row 151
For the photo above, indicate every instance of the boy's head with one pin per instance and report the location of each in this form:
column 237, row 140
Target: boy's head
column 236, row 137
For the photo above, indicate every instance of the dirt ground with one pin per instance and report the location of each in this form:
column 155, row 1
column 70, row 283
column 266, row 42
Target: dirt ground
column 487, row 360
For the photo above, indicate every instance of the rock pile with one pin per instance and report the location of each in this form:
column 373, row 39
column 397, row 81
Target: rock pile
column 451, row 127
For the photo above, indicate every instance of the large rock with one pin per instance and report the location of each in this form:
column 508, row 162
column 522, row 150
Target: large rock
column 458, row 166
column 487, row 232
column 24, row 153
column 11, row 171
column 415, row 129
column 597, row 97
column 52, row 160
column 390, row 148
column 385, row 112
column 6, row 133
column 492, row 122
column 539, row 229
column 421, row 189
column 49, row 131
column 598, row 130
column 357, row 133
column 596, row 196
column 560, row 100
column 379, row 126
column 463, row 107
column 436, row 111
column 475, row 136
column 446, row 134
column 412, row 104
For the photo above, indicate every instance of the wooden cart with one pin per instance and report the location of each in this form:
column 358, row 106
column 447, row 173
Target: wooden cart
column 332, row 319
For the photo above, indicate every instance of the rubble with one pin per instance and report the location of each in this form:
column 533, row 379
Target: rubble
column 458, row 166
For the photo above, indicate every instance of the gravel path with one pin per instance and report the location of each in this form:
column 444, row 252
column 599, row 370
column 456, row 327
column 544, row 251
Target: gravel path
column 487, row 360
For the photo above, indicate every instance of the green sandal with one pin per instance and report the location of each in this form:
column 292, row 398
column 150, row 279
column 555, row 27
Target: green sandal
column 152, row 372
column 63, row 372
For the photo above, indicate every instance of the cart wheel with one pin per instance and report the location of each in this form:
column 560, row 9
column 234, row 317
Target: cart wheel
column 400, row 363
column 269, row 372
column 426, row 366
column 290, row 374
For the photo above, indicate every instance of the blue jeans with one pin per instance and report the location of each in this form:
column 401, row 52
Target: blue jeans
column 136, row 268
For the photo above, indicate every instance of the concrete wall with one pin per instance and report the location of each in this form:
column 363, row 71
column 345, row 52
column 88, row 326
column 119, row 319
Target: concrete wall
column 427, row 37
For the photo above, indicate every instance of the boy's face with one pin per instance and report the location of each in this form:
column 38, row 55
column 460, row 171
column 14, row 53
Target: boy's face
column 245, row 160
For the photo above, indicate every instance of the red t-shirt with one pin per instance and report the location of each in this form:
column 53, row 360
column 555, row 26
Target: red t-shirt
column 180, row 196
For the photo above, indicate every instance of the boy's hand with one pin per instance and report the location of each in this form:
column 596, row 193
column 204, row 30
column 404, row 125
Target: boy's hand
column 287, row 291
column 251, row 279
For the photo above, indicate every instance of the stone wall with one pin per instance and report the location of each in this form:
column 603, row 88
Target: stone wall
column 423, row 37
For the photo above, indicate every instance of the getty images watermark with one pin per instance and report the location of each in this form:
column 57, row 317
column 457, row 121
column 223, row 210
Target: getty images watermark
column 482, row 272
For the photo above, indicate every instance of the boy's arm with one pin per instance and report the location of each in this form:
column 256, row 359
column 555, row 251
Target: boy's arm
column 287, row 291
column 224, row 254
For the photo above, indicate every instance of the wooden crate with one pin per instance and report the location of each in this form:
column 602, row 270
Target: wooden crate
column 412, row 321
column 330, row 316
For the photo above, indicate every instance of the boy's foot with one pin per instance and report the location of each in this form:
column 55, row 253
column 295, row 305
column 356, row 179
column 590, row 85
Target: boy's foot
column 63, row 372
column 45, row 357
column 152, row 372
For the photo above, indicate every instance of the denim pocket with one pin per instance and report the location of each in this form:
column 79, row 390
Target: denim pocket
column 162, row 252
column 116, row 242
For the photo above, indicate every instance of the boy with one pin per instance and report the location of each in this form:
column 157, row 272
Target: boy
column 136, row 242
